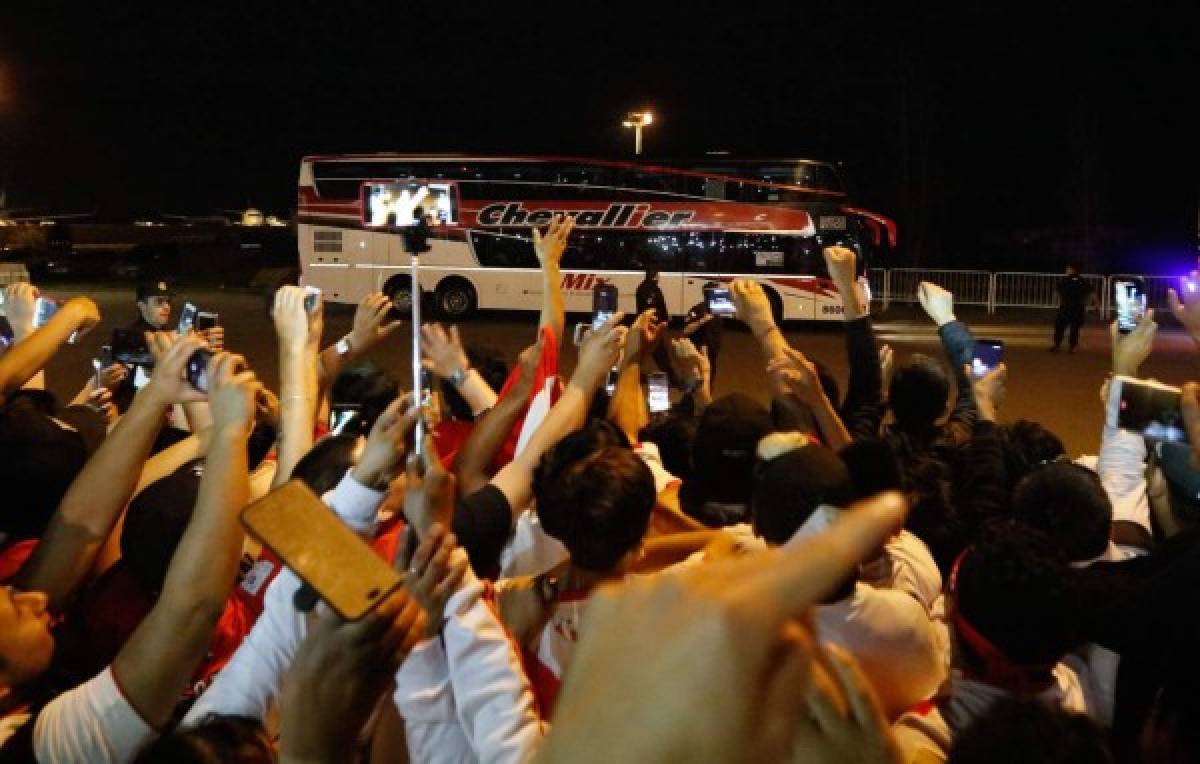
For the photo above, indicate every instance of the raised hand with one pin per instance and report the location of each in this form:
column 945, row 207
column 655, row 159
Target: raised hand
column 371, row 322
column 841, row 264
column 794, row 374
column 384, row 453
column 101, row 401
column 693, row 365
column 214, row 336
column 991, row 390
column 887, row 364
column 1189, row 405
column 753, row 306
column 937, row 302
column 1186, row 310
column 167, row 384
column 549, row 248
column 294, row 325
column 444, row 354
column 1130, row 350
column 644, row 336
column 600, row 351
column 20, row 306
column 430, row 491
column 434, row 573
column 732, row 681
column 232, row 394
column 339, row 674
column 111, row 377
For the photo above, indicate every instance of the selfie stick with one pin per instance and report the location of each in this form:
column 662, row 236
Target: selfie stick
column 418, row 394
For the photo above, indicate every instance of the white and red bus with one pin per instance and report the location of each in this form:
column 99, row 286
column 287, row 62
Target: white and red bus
column 713, row 219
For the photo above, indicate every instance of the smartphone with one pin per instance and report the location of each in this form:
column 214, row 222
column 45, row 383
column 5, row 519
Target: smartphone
column 720, row 302
column 1130, row 299
column 206, row 320
column 197, row 369
column 344, row 418
column 339, row 566
column 44, row 311
column 604, row 304
column 187, row 319
column 129, row 347
column 140, row 377
column 1146, row 407
column 312, row 298
column 1188, row 288
column 988, row 354
column 102, row 361
column 658, row 396
column 394, row 204
column 610, row 382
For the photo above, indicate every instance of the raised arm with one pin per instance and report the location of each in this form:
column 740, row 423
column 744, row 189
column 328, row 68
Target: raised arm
column 94, row 502
column 863, row 409
column 445, row 357
column 549, row 250
column 473, row 461
column 30, row 356
column 754, row 310
column 156, row 662
column 597, row 355
column 795, row 375
column 959, row 347
column 627, row 409
column 299, row 332
column 372, row 324
column 20, row 306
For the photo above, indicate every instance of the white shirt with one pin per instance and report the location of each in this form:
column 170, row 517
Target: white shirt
column 250, row 682
column 91, row 724
column 906, row 565
column 932, row 730
column 890, row 635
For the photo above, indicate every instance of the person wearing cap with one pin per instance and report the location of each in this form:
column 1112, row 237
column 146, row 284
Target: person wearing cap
column 718, row 493
column 799, row 489
column 154, row 306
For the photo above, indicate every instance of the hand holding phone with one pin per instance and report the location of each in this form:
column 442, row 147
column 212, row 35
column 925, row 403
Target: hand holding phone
column 1146, row 407
column 1129, row 297
column 339, row 566
column 187, row 320
column 658, row 397
column 720, row 302
column 987, row 355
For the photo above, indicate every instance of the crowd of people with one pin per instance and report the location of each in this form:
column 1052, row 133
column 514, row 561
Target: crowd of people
column 903, row 572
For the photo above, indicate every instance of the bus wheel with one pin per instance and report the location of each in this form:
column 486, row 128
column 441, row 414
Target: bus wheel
column 456, row 298
column 398, row 289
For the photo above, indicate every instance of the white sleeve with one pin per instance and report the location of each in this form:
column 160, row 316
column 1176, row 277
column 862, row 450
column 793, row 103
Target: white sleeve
column 356, row 505
column 493, row 696
column 906, row 565
column 1122, row 469
column 92, row 723
column 249, row 683
column 425, row 700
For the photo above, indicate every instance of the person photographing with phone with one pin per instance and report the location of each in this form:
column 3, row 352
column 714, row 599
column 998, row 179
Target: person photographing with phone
column 704, row 326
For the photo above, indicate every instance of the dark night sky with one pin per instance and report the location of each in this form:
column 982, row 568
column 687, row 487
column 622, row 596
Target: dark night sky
column 965, row 124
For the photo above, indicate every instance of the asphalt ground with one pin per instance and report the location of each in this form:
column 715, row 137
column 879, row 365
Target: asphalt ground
column 1059, row 390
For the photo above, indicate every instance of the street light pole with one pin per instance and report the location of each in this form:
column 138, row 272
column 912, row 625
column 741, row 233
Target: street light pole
column 637, row 120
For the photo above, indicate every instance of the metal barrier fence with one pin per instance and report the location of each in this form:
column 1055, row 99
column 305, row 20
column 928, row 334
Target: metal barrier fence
column 969, row 287
column 1005, row 289
column 1014, row 289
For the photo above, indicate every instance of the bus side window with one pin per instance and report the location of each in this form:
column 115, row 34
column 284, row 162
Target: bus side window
column 503, row 250
column 700, row 253
column 736, row 254
column 661, row 251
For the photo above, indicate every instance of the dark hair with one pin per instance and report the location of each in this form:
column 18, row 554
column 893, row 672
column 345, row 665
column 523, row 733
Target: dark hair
column 490, row 365
column 873, row 467
column 1067, row 503
column 1032, row 733
column 673, row 434
column 1015, row 591
column 918, row 392
column 326, row 462
column 217, row 740
column 372, row 389
column 1027, row 445
column 790, row 487
column 597, row 504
